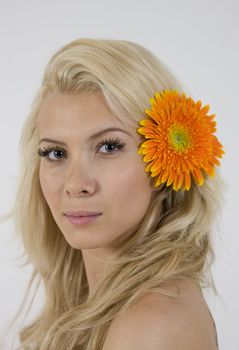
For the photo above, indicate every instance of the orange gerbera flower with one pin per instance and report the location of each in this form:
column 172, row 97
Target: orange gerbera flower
column 180, row 141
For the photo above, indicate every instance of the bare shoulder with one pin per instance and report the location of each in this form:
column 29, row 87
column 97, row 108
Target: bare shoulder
column 157, row 322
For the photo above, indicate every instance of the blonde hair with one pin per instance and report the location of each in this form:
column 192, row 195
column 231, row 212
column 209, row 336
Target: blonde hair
column 172, row 242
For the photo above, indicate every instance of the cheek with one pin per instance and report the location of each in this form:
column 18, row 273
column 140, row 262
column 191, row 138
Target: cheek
column 49, row 185
column 130, row 187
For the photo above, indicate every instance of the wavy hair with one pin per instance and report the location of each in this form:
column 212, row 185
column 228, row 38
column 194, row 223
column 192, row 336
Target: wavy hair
column 173, row 240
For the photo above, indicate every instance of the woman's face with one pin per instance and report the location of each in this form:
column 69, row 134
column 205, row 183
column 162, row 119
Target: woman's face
column 89, row 173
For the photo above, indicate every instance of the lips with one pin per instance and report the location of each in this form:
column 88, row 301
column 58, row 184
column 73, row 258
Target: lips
column 79, row 218
column 81, row 213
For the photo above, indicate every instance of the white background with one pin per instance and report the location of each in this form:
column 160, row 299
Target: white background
column 198, row 40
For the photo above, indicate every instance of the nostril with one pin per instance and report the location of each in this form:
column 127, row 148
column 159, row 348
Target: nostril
column 77, row 192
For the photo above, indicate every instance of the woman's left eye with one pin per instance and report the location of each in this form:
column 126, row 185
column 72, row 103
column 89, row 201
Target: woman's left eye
column 110, row 145
column 51, row 151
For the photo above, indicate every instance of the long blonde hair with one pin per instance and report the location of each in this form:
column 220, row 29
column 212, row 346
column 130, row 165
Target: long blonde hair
column 172, row 242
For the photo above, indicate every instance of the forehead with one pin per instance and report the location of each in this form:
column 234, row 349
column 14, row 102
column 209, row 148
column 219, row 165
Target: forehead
column 68, row 114
column 67, row 106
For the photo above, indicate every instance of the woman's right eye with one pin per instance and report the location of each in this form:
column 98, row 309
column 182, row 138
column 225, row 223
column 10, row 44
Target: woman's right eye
column 51, row 153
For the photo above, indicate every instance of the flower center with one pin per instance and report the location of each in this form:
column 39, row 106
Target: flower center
column 179, row 138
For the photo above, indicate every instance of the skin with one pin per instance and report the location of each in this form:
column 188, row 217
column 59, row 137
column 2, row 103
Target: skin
column 82, row 178
column 157, row 322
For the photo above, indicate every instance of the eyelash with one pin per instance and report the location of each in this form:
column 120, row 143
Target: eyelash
column 113, row 142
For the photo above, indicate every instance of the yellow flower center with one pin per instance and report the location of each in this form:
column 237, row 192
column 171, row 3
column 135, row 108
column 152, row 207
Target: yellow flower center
column 179, row 138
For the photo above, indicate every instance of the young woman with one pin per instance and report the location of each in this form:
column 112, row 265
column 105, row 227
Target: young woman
column 116, row 200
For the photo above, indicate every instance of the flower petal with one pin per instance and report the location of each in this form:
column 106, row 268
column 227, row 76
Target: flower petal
column 187, row 178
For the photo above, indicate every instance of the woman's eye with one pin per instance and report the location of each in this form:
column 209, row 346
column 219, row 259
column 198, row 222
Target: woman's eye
column 110, row 145
column 51, row 153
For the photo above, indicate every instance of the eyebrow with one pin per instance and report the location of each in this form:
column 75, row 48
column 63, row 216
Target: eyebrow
column 93, row 136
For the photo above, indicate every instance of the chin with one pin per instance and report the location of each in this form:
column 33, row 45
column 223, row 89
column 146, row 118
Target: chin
column 77, row 242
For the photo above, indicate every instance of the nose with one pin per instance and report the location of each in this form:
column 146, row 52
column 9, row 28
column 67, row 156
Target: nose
column 80, row 181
